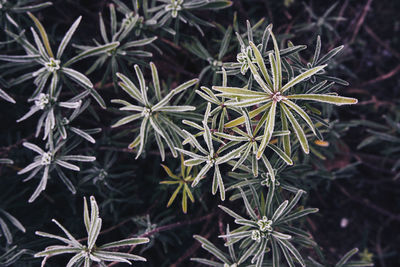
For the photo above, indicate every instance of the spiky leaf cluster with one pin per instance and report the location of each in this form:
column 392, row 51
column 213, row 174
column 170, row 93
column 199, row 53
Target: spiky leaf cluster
column 85, row 255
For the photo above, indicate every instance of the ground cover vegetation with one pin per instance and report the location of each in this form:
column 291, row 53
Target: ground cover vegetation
column 199, row 133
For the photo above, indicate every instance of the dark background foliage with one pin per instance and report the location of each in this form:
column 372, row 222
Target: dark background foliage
column 353, row 184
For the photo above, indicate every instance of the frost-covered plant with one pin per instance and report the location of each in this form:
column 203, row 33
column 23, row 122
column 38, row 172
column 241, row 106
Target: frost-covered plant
column 154, row 116
column 274, row 95
column 51, row 66
column 182, row 11
column 267, row 106
column 5, row 229
column 48, row 161
column 85, row 255
column 123, row 48
column 269, row 228
column 10, row 8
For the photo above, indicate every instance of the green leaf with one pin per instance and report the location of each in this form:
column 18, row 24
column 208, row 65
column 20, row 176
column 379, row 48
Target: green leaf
column 43, row 34
column 261, row 65
column 217, row 4
column 292, row 250
column 92, row 52
column 252, row 114
column 31, row 8
column 302, row 114
column 126, row 120
column 78, row 77
column 233, row 92
column 231, row 212
column 210, row 247
column 281, row 154
column 331, row 99
column 297, row 129
column 301, row 77
column 129, row 87
column 156, row 81
column 286, row 138
column 67, row 37
column 278, row 63
column 346, row 257
column 269, row 128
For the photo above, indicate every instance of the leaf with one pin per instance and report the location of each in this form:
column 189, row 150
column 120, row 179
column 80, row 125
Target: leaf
column 117, row 256
column 172, row 198
column 217, row 4
column 42, row 185
column 261, row 65
column 252, row 114
column 231, row 212
column 6, row 231
column 346, row 257
column 156, row 81
column 286, row 138
column 67, row 165
column 278, row 63
column 94, row 232
column 189, row 193
column 225, row 43
column 14, row 221
column 98, row 98
column 210, row 247
column 233, row 92
column 31, row 8
column 33, row 147
column 279, row 211
column 126, row 120
column 185, row 86
column 83, row 134
column 86, row 217
column 297, row 129
column 302, row 114
column 126, row 242
column 201, row 173
column 292, row 250
column 67, row 37
column 301, row 77
column 269, row 128
column 78, row 158
column 92, row 52
column 19, row 59
column 141, row 42
column 331, row 99
column 249, row 209
column 275, row 253
column 329, row 55
column 220, row 183
column 66, row 181
column 299, row 214
column 142, row 84
column 43, row 34
column 78, row 77
column 68, row 234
